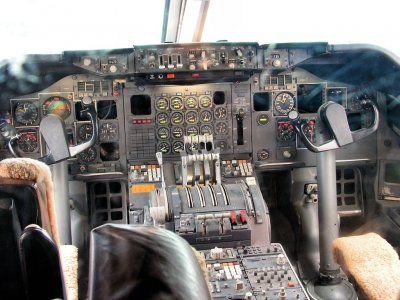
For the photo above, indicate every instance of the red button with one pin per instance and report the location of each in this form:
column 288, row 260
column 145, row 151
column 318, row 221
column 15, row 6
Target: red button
column 195, row 75
column 170, row 76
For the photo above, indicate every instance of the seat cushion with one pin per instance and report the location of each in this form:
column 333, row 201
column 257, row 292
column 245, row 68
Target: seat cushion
column 373, row 264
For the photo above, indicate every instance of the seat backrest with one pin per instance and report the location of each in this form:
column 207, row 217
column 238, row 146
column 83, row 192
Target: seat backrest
column 12, row 285
column 29, row 264
column 41, row 264
column 139, row 262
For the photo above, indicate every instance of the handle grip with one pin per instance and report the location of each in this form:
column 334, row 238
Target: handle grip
column 334, row 144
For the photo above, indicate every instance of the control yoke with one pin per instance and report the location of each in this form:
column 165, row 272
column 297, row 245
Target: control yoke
column 52, row 128
column 333, row 117
column 333, row 131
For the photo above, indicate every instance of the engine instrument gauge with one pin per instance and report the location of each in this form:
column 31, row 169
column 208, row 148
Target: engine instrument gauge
column 87, row 156
column 284, row 103
column 191, row 103
column 28, row 140
column 26, row 113
column 206, row 116
column 162, row 119
column 177, row 118
column 220, row 113
column 85, row 132
column 205, row 102
column 285, row 131
column 164, row 147
column 58, row 106
column 163, row 133
column 206, row 129
column 177, row 147
column 176, row 103
column 162, row 103
column 221, row 128
column 177, row 132
column 192, row 130
column 192, row 117
column 108, row 132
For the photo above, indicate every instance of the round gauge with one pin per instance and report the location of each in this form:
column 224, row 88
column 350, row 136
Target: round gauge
column 58, row 106
column 162, row 119
column 205, row 102
column 177, row 132
column 176, row 103
column 263, row 154
column 191, row 103
column 28, row 140
column 206, row 116
column 108, row 132
column 220, row 113
column 87, row 156
column 164, row 147
column 192, row 130
column 177, row 118
column 162, row 103
column 284, row 103
column 26, row 113
column 221, row 145
column 192, row 117
column 85, row 132
column 177, row 147
column 221, row 128
column 262, row 119
column 163, row 133
column 285, row 131
column 206, row 130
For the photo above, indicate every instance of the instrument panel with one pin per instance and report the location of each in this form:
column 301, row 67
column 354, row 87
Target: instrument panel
column 142, row 109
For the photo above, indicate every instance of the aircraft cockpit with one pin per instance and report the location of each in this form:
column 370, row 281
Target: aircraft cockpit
column 188, row 169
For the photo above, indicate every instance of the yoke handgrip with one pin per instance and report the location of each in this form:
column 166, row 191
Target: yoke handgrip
column 332, row 117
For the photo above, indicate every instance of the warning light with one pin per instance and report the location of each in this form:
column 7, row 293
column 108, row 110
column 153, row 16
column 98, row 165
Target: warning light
column 170, row 76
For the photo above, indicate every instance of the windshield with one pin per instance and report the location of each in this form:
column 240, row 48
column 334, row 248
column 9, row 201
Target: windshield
column 74, row 25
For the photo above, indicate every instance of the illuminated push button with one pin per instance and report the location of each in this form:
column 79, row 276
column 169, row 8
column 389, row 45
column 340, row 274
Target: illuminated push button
column 276, row 63
column 87, row 61
column 287, row 154
column 262, row 119
column 281, row 260
column 216, row 253
column 113, row 68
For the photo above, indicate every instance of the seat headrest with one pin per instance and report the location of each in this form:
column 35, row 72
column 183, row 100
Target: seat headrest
column 139, row 262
